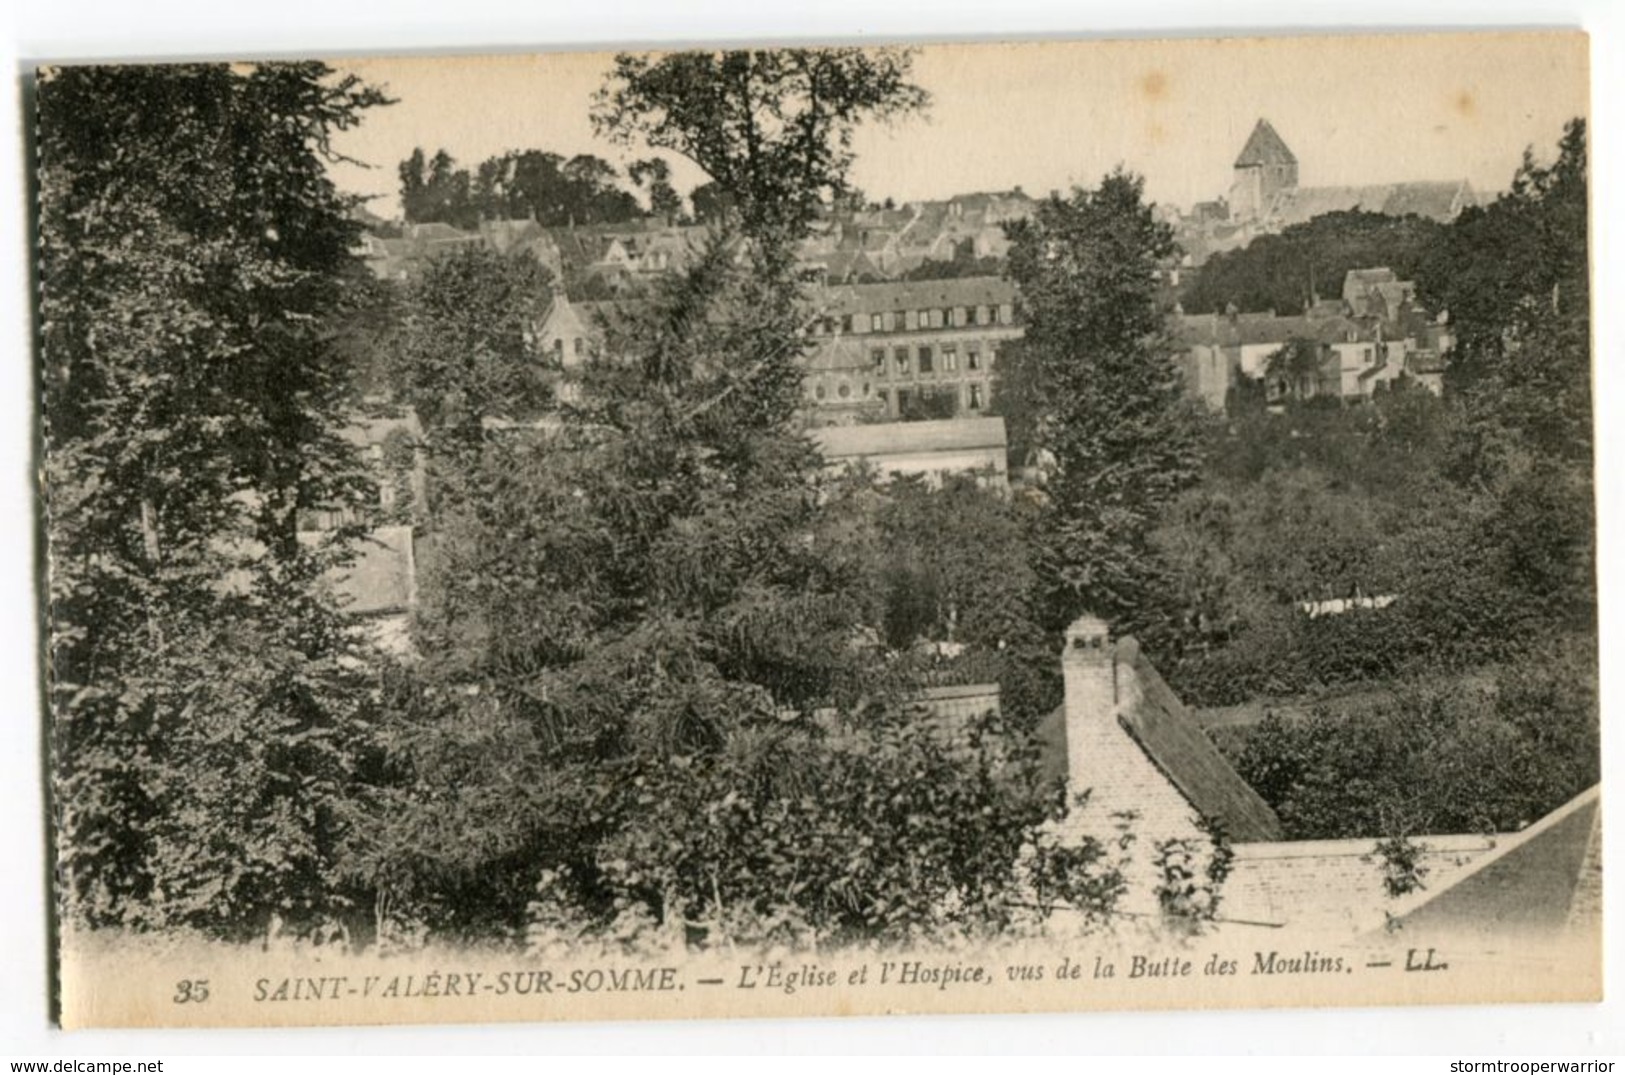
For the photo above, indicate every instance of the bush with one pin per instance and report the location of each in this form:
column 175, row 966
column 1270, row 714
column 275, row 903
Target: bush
column 889, row 831
column 1439, row 759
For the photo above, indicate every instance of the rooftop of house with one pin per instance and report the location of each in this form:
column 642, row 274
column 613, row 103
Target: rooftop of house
column 1174, row 742
column 837, row 353
column 1366, row 277
column 910, row 438
column 1168, row 733
column 1429, row 199
column 1263, row 147
column 1539, row 880
column 919, row 294
column 1219, row 330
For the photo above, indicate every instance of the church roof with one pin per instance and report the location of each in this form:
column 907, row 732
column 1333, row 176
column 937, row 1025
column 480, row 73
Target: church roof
column 1264, row 146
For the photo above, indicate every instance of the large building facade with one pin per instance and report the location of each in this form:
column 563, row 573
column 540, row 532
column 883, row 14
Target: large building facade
column 907, row 349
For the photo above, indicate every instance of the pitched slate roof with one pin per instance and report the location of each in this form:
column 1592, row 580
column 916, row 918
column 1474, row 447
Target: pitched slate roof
column 1216, row 330
column 1263, row 147
column 1170, row 737
column 1439, row 201
column 1537, row 880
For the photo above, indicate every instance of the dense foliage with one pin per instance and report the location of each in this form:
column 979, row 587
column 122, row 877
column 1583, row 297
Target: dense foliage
column 664, row 660
column 644, row 653
column 653, row 686
column 1093, row 386
column 1471, row 513
column 1289, row 271
column 532, row 183
column 1437, row 758
column 465, row 350
column 772, row 127
column 206, row 716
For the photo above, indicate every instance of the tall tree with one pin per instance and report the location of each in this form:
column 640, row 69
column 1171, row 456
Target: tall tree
column 773, row 127
column 1093, row 386
column 1514, row 277
column 466, row 349
column 205, row 714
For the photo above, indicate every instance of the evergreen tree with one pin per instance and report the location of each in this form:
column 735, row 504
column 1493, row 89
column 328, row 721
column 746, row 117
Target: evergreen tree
column 1093, row 386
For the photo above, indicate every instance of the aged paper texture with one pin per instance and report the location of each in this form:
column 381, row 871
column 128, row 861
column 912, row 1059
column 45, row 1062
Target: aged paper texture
column 759, row 533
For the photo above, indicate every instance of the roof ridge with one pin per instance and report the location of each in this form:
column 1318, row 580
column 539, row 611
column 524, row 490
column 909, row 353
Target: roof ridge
column 1264, row 146
column 1504, row 846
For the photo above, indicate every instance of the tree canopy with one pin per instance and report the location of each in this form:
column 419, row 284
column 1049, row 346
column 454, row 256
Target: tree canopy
column 535, row 183
column 1288, row 271
column 1092, row 386
column 194, row 256
column 773, row 127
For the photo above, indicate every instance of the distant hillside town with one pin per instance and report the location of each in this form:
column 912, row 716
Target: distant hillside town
column 912, row 307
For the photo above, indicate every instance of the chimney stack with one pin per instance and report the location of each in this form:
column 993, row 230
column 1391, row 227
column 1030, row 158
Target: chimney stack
column 1088, row 669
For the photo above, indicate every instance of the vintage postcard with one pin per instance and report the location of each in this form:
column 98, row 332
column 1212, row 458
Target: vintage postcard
column 820, row 530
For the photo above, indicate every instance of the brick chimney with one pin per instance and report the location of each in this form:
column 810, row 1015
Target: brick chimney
column 1088, row 669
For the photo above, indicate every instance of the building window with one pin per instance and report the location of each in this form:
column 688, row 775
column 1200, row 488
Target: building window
column 947, row 316
column 1368, row 358
column 925, row 360
column 819, row 391
column 973, row 359
column 910, row 320
column 975, row 397
column 844, row 391
column 846, row 322
column 970, row 316
column 581, row 346
column 885, row 400
column 875, row 321
column 950, row 359
column 866, row 390
column 904, row 397
column 558, row 347
column 899, row 359
column 878, row 358
column 1007, row 314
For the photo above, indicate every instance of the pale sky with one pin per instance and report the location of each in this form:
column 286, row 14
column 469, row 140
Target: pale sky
column 1354, row 109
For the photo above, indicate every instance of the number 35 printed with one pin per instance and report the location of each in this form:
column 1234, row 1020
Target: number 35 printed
column 191, row 991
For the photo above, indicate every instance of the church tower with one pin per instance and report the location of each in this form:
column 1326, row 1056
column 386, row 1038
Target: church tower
column 1266, row 167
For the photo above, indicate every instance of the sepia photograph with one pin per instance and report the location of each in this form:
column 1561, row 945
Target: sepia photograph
column 810, row 530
